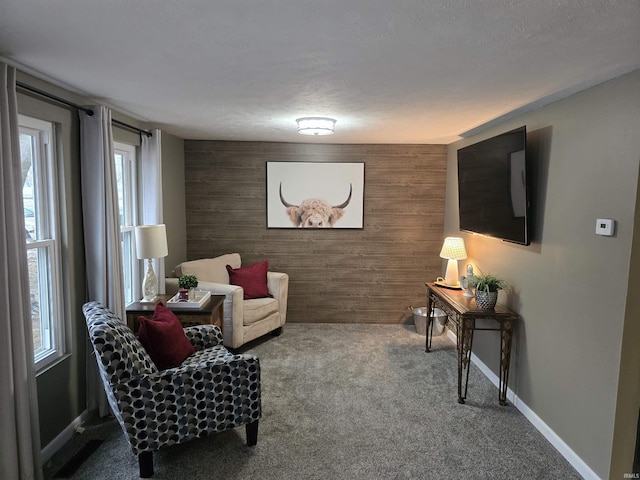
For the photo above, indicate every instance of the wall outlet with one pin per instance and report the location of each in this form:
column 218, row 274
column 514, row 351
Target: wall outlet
column 605, row 226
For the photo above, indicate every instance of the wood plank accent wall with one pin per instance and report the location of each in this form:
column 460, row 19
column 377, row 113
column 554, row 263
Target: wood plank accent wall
column 369, row 275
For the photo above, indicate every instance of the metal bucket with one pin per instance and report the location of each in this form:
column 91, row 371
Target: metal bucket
column 439, row 319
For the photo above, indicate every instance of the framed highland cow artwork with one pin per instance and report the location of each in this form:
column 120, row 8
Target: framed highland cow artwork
column 315, row 195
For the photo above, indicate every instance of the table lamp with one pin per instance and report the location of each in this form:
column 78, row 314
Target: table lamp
column 151, row 242
column 453, row 250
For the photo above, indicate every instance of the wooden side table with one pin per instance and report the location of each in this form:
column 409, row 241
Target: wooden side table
column 464, row 312
column 211, row 313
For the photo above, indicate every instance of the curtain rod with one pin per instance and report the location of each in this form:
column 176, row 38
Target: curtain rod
column 88, row 111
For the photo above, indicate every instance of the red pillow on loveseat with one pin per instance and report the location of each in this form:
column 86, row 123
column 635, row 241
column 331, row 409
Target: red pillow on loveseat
column 253, row 279
column 164, row 339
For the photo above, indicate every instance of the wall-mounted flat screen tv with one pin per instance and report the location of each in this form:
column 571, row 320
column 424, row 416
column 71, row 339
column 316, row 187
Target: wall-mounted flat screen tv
column 492, row 187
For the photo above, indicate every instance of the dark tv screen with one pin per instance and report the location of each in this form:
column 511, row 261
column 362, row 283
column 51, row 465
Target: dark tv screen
column 492, row 187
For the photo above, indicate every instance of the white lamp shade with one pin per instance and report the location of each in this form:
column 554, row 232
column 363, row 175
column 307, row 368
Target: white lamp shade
column 453, row 249
column 151, row 241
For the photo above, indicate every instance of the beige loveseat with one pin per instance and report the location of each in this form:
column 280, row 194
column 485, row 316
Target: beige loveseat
column 244, row 320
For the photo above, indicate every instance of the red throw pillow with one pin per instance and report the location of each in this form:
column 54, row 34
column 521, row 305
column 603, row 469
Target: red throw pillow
column 253, row 279
column 164, row 339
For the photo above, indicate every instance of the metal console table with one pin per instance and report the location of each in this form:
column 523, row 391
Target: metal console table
column 463, row 312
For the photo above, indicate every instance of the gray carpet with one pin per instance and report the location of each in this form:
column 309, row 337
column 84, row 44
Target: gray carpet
column 350, row 402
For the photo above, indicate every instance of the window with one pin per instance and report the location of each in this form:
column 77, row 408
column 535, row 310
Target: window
column 39, row 195
column 125, row 162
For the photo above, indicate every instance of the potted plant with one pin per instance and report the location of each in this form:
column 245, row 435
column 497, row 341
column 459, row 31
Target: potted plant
column 186, row 283
column 487, row 287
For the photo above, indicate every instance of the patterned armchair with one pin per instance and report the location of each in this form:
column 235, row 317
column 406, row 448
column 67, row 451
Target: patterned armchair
column 213, row 390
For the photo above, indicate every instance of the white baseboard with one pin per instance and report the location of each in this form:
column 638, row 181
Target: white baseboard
column 63, row 437
column 564, row 449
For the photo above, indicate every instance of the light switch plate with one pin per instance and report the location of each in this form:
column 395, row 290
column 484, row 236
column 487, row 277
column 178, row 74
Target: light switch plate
column 605, row 226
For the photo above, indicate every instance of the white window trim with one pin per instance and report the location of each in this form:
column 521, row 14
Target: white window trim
column 131, row 160
column 48, row 201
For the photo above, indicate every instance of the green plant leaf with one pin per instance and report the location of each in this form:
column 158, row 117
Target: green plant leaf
column 489, row 282
column 188, row 281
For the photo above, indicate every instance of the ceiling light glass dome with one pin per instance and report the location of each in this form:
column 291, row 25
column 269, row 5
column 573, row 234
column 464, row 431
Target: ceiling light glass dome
column 315, row 125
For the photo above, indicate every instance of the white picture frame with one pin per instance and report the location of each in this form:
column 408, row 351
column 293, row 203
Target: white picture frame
column 315, row 195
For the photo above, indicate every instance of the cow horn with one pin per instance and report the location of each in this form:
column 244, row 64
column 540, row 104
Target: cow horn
column 284, row 202
column 342, row 205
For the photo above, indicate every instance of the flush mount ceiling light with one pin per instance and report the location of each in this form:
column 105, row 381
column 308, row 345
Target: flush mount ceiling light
column 315, row 125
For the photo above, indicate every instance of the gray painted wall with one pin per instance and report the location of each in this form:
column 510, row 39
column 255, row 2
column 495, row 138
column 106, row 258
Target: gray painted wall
column 173, row 200
column 570, row 285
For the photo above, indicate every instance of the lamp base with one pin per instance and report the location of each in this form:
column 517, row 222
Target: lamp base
column 451, row 275
column 150, row 285
column 153, row 300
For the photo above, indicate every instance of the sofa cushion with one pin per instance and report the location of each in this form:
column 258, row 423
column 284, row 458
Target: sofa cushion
column 258, row 309
column 210, row 269
column 164, row 339
column 253, row 279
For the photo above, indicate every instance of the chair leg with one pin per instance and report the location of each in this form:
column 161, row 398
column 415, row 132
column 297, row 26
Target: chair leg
column 276, row 332
column 252, row 433
column 145, row 462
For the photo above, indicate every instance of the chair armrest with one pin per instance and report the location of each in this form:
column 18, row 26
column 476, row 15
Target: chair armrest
column 170, row 285
column 217, row 288
column 278, row 284
column 233, row 308
column 220, row 361
column 225, row 362
column 203, row 336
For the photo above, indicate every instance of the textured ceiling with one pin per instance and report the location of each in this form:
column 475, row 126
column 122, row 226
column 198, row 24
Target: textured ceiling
column 404, row 71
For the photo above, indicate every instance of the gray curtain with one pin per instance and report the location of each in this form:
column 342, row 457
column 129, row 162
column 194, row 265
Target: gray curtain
column 19, row 424
column 105, row 282
column 151, row 191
